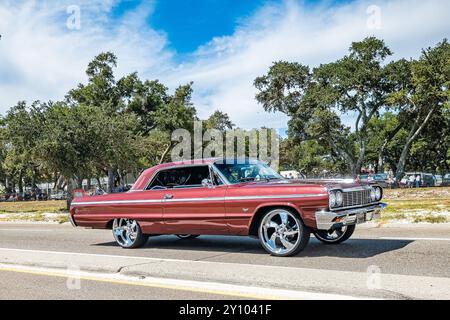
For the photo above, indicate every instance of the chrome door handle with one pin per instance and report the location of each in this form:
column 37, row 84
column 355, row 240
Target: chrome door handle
column 168, row 196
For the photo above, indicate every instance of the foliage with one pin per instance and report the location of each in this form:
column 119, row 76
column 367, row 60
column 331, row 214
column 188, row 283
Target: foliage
column 390, row 105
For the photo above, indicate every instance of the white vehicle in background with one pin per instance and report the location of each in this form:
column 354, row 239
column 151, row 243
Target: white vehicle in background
column 291, row 174
column 58, row 196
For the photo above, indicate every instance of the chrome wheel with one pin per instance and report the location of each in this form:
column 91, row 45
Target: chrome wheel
column 126, row 232
column 335, row 236
column 281, row 232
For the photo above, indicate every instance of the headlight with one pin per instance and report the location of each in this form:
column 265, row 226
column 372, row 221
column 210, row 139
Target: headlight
column 332, row 199
column 339, row 199
column 373, row 195
column 378, row 193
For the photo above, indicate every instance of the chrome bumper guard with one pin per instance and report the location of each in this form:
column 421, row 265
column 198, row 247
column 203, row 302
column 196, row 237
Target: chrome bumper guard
column 72, row 222
column 327, row 220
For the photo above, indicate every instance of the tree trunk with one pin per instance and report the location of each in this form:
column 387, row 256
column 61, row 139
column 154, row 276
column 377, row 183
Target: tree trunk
column 7, row 185
column 413, row 133
column 69, row 193
column 89, row 185
column 59, row 183
column 20, row 182
column 33, row 177
column 80, row 183
column 99, row 183
column 111, row 179
column 392, row 134
column 161, row 160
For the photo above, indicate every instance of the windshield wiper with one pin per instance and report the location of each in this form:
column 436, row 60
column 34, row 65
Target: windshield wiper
column 247, row 179
column 258, row 179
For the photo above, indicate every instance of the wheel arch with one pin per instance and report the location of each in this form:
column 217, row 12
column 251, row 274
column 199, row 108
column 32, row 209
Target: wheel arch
column 109, row 224
column 260, row 211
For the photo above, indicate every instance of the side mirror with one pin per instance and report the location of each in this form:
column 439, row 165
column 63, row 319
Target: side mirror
column 207, row 183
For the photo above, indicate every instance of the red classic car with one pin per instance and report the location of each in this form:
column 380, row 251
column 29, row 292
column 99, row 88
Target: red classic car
column 241, row 197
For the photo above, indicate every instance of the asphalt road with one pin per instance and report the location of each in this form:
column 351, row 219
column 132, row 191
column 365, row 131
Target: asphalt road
column 413, row 261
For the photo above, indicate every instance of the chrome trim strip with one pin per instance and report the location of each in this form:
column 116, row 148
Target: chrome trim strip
column 362, row 188
column 116, row 202
column 361, row 206
column 294, row 196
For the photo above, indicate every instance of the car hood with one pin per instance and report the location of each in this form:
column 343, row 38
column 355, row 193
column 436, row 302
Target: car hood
column 327, row 183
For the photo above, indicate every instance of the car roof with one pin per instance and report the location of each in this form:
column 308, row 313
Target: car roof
column 145, row 175
column 205, row 161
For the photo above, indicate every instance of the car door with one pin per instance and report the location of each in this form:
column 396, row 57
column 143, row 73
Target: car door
column 195, row 209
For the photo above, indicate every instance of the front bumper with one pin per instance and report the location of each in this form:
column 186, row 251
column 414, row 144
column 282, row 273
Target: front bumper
column 327, row 220
column 72, row 220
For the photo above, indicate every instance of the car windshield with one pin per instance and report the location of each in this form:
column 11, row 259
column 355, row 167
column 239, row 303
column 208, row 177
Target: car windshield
column 249, row 171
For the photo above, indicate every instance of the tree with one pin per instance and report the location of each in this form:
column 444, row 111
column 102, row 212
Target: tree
column 219, row 120
column 309, row 158
column 315, row 100
column 22, row 132
column 421, row 92
column 145, row 98
column 115, row 105
column 177, row 113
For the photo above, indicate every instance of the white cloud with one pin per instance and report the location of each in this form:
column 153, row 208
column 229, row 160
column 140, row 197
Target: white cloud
column 226, row 67
column 41, row 59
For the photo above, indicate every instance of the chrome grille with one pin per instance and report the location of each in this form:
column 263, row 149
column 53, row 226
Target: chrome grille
column 356, row 198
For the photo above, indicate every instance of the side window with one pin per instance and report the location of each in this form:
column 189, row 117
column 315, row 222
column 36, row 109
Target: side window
column 186, row 177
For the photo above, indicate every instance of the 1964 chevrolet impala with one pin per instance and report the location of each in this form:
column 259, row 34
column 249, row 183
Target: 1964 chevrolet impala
column 230, row 197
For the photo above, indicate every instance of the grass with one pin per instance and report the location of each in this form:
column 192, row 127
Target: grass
column 54, row 206
column 34, row 211
column 430, row 205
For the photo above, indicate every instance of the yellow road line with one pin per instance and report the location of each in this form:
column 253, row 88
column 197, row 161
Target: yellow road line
column 143, row 284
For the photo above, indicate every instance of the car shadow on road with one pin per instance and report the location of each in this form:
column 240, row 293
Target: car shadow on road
column 353, row 248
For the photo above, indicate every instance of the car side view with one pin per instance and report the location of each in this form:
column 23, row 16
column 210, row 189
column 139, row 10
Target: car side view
column 239, row 197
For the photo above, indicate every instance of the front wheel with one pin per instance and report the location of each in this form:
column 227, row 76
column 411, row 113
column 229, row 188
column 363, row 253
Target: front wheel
column 282, row 233
column 128, row 233
column 335, row 236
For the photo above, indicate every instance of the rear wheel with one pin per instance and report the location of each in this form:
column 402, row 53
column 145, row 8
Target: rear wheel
column 282, row 233
column 335, row 236
column 128, row 233
column 187, row 236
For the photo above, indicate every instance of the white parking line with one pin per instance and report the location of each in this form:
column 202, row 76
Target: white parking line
column 415, row 239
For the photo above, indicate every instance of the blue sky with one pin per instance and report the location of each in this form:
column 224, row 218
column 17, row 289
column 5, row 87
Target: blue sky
column 192, row 23
column 220, row 45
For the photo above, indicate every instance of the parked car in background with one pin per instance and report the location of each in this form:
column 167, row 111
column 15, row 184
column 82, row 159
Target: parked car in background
column 438, row 179
column 446, row 180
column 42, row 196
column 426, row 180
column 380, row 178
